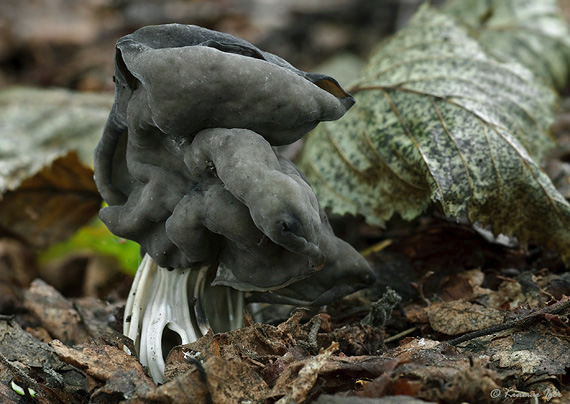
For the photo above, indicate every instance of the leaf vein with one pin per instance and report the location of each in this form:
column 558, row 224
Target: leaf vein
column 411, row 137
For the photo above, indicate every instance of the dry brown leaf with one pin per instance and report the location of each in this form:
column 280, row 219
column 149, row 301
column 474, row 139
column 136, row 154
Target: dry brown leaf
column 536, row 351
column 56, row 314
column 213, row 381
column 51, row 204
column 461, row 285
column 105, row 363
column 301, row 386
column 427, row 363
column 458, row 317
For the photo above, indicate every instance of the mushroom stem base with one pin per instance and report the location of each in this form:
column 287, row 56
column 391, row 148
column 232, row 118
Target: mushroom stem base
column 175, row 302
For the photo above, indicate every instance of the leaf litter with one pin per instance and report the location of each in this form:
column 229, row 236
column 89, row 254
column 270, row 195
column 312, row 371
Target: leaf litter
column 514, row 336
column 475, row 317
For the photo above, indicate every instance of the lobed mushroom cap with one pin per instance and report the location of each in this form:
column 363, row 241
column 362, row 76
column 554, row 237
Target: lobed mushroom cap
column 175, row 80
column 224, row 82
column 187, row 167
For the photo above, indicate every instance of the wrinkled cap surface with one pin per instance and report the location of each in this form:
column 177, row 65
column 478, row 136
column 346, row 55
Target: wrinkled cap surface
column 186, row 161
column 222, row 81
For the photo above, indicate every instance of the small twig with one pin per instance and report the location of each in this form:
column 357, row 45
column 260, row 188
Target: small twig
column 518, row 322
column 256, row 363
column 400, row 335
column 420, row 287
column 203, row 375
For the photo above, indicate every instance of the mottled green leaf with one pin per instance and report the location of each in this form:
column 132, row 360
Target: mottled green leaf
column 530, row 32
column 436, row 119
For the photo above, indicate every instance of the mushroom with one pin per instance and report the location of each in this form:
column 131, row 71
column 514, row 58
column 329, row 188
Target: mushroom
column 188, row 167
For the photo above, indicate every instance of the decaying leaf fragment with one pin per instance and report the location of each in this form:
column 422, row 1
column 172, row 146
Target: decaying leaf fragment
column 122, row 373
column 46, row 186
column 32, row 364
column 215, row 381
column 302, row 385
column 458, row 317
column 57, row 314
column 49, row 205
column 438, row 120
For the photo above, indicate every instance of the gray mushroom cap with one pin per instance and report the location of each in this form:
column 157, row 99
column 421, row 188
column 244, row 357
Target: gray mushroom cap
column 187, row 167
column 225, row 83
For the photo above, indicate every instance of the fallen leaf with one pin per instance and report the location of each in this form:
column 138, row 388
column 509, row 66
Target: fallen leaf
column 49, row 205
column 534, row 352
column 461, row 285
column 438, row 120
column 299, row 389
column 56, row 313
column 22, row 355
column 532, row 33
column 215, row 380
column 46, row 191
column 120, row 372
column 339, row 399
column 458, row 317
column 462, row 378
column 473, row 384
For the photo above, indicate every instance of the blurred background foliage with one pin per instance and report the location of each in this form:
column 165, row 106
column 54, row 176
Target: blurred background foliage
column 69, row 45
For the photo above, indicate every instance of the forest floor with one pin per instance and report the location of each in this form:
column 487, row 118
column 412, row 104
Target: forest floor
column 456, row 315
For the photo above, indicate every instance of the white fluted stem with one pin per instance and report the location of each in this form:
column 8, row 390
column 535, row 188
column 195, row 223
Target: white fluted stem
column 159, row 299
